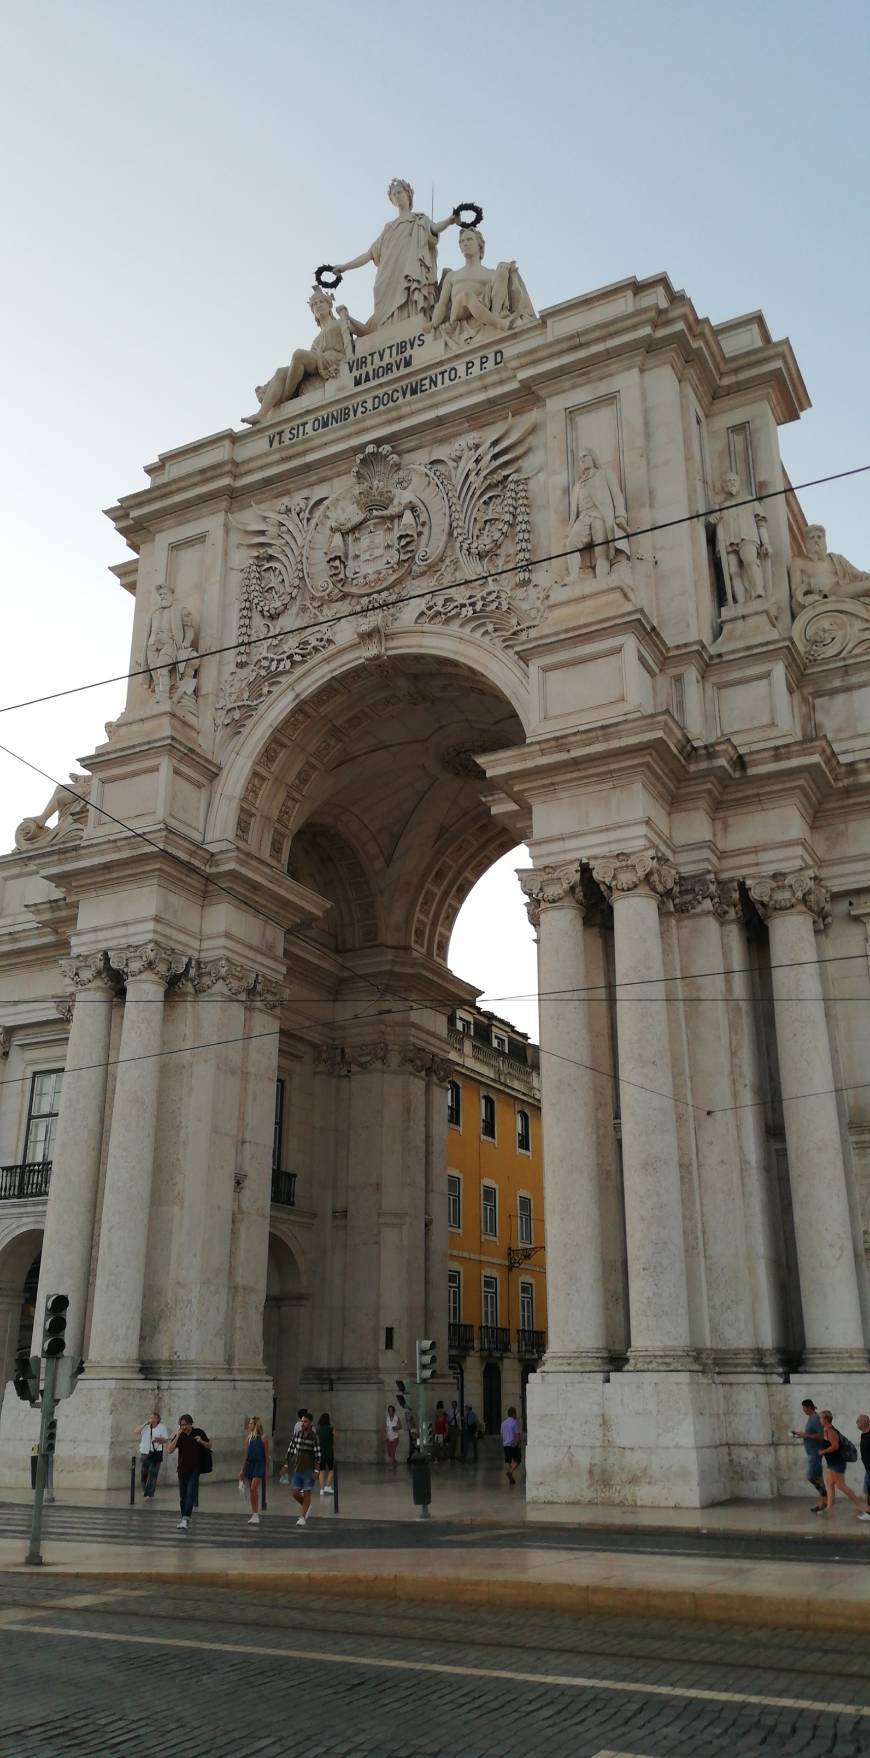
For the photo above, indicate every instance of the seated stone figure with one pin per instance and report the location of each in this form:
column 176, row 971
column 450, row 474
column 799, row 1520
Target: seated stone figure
column 819, row 574
column 70, row 802
column 323, row 360
column 474, row 298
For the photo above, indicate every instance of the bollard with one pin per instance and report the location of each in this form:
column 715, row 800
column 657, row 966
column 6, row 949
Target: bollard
column 421, row 1485
column 132, row 1479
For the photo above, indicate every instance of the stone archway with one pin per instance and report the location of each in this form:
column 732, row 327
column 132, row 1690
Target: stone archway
column 19, row 1275
column 285, row 1315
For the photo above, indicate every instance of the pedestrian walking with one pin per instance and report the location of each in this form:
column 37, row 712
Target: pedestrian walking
column 812, row 1437
column 303, row 1457
column 152, row 1437
column 440, row 1431
column 326, row 1439
column 392, row 1432
column 194, row 1459
column 255, row 1466
column 470, row 1431
column 864, row 1449
column 510, row 1440
column 837, row 1452
column 454, row 1427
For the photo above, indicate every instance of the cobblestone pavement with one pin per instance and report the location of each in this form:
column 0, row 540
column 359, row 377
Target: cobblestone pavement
column 157, row 1526
column 89, row 1671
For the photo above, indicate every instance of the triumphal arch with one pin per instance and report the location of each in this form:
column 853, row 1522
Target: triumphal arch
column 469, row 575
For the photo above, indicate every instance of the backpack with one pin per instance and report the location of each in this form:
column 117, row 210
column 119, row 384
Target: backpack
column 205, row 1455
column 848, row 1448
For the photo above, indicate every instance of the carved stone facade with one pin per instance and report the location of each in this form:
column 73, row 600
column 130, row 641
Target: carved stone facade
column 472, row 578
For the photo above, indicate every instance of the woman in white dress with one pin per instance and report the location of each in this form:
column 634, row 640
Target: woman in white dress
column 406, row 258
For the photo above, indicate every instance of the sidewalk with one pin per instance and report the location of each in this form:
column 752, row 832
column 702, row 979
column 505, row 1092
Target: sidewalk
column 811, row 1594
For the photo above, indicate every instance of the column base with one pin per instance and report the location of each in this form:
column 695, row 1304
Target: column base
column 95, row 1426
column 663, row 1361
column 833, row 1361
column 582, row 1361
column 640, row 1439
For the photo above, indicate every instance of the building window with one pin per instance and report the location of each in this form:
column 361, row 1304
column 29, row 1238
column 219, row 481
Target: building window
column 463, row 1024
column 487, row 1117
column 454, row 1104
column 524, row 1220
column 454, row 1297
column 42, row 1115
column 490, row 1300
column 524, row 1133
column 278, row 1134
column 489, row 1211
column 499, row 1042
column 454, row 1201
column 527, row 1306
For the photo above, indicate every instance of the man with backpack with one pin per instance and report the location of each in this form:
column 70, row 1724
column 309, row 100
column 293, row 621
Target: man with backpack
column 194, row 1461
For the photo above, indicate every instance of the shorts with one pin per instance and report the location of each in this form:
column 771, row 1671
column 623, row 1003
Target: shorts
column 303, row 1480
column 512, row 1455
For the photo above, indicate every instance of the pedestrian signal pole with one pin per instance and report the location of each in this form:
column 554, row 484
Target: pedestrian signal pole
column 427, row 1361
column 53, row 1346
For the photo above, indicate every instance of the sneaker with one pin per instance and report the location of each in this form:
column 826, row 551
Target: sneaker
column 328, row 1491
column 324, row 1492
column 864, row 1516
column 302, row 1521
column 254, row 1520
column 182, row 1525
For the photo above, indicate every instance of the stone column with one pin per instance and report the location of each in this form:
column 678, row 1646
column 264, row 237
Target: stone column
column 794, row 905
column 117, row 1313
column 701, row 903
column 250, row 1234
column 576, row 1319
column 75, row 1174
column 657, row 1291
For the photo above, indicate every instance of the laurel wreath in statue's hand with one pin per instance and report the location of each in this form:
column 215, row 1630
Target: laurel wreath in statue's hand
column 468, row 207
column 320, row 274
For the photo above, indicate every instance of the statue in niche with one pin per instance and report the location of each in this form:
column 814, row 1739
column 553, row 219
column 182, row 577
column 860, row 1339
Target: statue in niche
column 474, row 298
column 598, row 518
column 70, row 802
column 310, row 366
column 170, row 655
column 819, row 574
column 742, row 545
column 406, row 258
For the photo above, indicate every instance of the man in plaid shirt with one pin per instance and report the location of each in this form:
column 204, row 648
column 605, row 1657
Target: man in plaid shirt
column 303, row 1455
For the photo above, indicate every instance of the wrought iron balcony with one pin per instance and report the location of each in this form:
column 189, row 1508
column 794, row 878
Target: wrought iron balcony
column 494, row 1340
column 284, row 1189
column 460, row 1338
column 532, row 1344
column 31, row 1180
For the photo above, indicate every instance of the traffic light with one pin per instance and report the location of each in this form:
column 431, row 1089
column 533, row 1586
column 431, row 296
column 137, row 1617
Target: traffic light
column 54, row 1326
column 401, row 1400
column 427, row 1358
column 69, row 1372
column 26, row 1377
column 51, row 1435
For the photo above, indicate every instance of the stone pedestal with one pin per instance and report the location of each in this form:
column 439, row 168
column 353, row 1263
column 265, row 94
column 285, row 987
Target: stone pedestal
column 636, row 1440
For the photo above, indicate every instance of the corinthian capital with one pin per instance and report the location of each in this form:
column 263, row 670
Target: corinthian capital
column 549, row 885
column 135, row 961
column 65, row 1006
column 773, row 892
column 694, row 890
column 85, row 969
column 618, row 874
column 238, row 980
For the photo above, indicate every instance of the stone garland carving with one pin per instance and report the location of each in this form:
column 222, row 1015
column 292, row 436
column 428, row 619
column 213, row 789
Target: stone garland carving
column 5, row 1041
column 170, row 654
column 330, row 1058
column 267, row 993
column 134, row 961
column 70, row 801
column 693, row 890
column 425, row 1062
column 778, row 891
column 621, row 873
column 358, row 550
column 549, row 885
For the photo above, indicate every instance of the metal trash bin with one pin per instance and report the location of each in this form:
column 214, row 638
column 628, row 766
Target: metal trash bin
column 421, row 1482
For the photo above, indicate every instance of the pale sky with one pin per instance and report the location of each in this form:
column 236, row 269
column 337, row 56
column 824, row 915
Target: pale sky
column 175, row 172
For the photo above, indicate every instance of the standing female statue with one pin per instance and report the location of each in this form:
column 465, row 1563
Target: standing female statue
column 406, row 258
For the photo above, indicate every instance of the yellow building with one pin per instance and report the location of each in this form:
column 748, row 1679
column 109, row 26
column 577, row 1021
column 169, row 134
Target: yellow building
column 497, row 1287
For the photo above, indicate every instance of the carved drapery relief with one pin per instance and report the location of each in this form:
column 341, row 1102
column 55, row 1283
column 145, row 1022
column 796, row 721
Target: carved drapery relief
column 617, row 874
column 161, row 961
column 70, row 802
column 785, row 891
column 357, row 552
